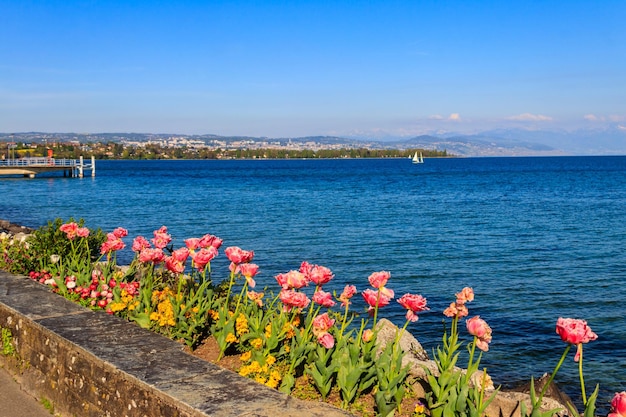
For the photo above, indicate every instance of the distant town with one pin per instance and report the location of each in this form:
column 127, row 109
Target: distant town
column 163, row 146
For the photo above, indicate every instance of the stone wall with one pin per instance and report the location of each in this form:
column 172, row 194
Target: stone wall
column 92, row 364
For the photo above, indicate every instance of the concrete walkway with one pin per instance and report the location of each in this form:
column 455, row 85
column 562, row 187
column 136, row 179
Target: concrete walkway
column 15, row 402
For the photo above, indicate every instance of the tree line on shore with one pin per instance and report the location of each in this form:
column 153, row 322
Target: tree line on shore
column 114, row 150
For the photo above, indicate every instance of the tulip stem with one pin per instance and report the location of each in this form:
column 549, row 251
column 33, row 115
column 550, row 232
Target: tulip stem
column 556, row 369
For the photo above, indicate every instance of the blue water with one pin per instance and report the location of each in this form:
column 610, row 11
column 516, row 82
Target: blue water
column 537, row 238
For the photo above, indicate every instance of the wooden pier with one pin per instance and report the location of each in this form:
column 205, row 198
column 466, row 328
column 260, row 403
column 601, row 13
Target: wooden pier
column 30, row 167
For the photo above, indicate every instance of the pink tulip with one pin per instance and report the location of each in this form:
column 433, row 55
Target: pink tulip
column 120, row 232
column 466, row 295
column 181, row 254
column 292, row 280
column 319, row 275
column 210, row 240
column 293, row 299
column 574, row 331
column 323, row 298
column 203, row 257
column 368, row 335
column 161, row 238
column 140, row 243
column 326, row 339
column 618, row 405
column 151, row 255
column 480, row 329
column 379, row 279
column 257, row 297
column 238, row 255
column 414, row 304
column 373, row 299
column 69, row 229
column 322, row 323
column 192, row 243
column 456, row 310
column 82, row 232
column 347, row 294
column 249, row 271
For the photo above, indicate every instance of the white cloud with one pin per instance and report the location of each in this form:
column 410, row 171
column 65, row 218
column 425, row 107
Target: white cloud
column 610, row 118
column 454, row 116
column 530, row 117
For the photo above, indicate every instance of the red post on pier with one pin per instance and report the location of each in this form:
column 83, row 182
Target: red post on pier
column 50, row 160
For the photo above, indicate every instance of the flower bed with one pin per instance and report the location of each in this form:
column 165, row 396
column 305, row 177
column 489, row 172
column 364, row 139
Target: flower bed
column 299, row 339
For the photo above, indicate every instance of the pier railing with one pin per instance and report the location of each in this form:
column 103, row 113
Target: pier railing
column 40, row 162
column 31, row 166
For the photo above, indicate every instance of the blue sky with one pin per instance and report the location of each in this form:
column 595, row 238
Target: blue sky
column 298, row 68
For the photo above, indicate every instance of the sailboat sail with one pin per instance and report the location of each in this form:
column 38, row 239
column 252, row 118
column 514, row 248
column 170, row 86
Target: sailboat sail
column 418, row 159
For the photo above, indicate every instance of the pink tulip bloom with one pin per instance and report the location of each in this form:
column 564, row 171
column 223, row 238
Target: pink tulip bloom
column 69, row 229
column 155, row 255
column 319, row 275
column 368, row 334
column 203, row 257
column 292, row 280
column 379, row 279
column 192, row 243
column 618, row 405
column 574, row 331
column 82, row 232
column 161, row 238
column 414, row 304
column 120, row 232
column 140, row 243
column 323, row 298
column 113, row 243
column 210, row 240
column 174, row 265
column 322, row 323
column 373, row 298
column 479, row 328
column 238, row 255
column 466, row 295
column 249, row 271
column 257, row 297
column 293, row 299
column 347, row 294
column 181, row 254
column 456, row 310
column 327, row 340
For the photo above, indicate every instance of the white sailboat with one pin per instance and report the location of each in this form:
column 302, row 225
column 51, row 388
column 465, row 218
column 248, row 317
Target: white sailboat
column 418, row 159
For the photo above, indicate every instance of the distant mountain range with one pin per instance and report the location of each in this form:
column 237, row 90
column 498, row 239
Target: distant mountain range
column 500, row 142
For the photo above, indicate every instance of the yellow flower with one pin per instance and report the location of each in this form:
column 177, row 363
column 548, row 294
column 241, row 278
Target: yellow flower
column 420, row 410
column 274, row 379
column 260, row 379
column 117, row 306
column 231, row 338
column 241, row 325
column 245, row 370
column 214, row 314
column 270, row 360
column 268, row 330
column 245, row 357
column 256, row 343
